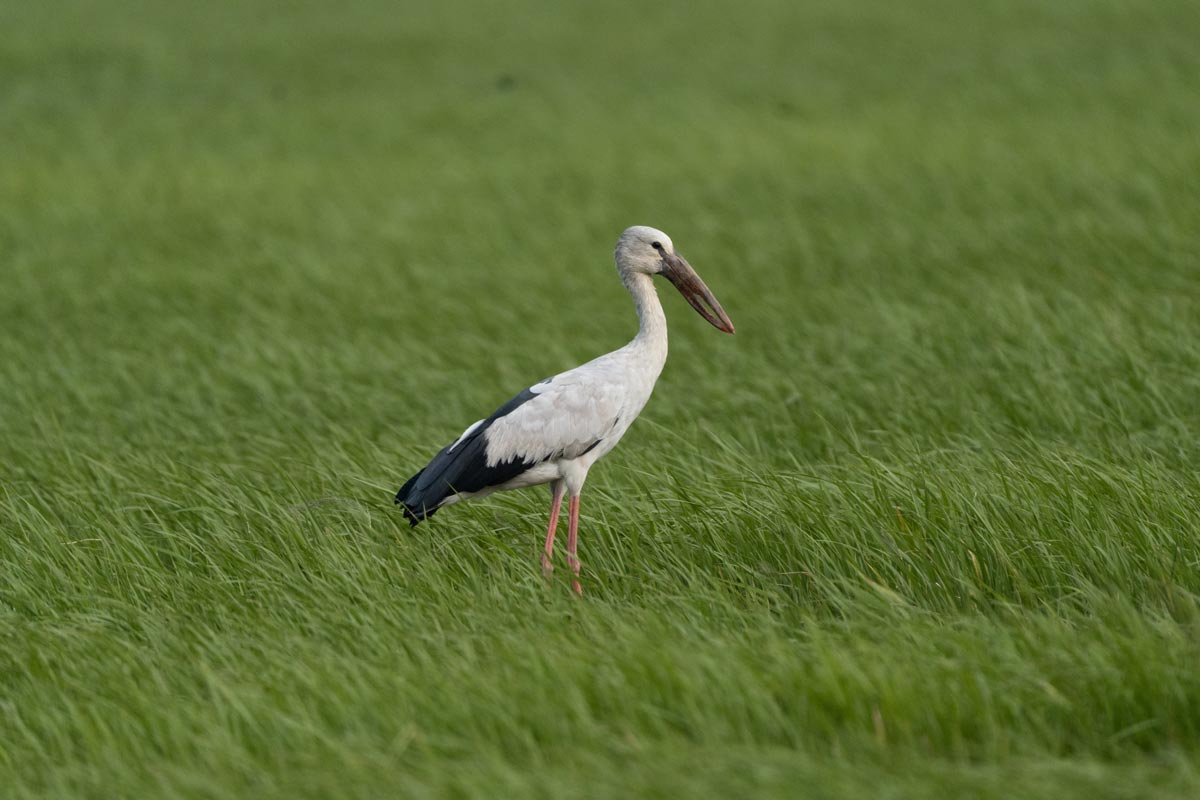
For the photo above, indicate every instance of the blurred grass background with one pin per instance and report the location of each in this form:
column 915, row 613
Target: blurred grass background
column 926, row 527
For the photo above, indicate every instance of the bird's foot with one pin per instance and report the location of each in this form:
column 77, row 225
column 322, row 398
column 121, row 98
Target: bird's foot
column 573, row 561
column 547, row 567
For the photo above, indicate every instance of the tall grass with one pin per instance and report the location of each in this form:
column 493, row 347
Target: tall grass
column 927, row 526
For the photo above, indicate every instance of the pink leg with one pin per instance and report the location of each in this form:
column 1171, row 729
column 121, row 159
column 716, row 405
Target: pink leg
column 572, row 541
column 555, row 504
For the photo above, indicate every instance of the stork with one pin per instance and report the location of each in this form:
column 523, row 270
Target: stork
column 554, row 431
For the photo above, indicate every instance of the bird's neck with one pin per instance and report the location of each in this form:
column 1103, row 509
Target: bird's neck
column 652, row 322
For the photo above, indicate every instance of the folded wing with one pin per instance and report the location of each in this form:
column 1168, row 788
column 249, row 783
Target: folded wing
column 560, row 418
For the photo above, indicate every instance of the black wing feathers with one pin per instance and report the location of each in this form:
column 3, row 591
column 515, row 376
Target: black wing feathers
column 461, row 469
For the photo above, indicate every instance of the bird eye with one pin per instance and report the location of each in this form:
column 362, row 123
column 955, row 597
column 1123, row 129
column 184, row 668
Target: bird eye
column 657, row 246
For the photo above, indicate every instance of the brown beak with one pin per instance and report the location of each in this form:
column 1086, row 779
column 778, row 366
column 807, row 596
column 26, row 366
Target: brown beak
column 678, row 271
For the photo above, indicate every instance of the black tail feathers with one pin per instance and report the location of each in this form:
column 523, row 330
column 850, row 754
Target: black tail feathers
column 414, row 514
column 416, row 508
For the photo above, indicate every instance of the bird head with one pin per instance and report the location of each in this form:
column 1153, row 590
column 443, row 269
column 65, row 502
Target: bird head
column 649, row 251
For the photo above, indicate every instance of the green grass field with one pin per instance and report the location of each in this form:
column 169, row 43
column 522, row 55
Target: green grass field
column 928, row 526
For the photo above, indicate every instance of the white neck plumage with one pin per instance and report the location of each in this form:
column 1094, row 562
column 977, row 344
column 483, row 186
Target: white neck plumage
column 652, row 322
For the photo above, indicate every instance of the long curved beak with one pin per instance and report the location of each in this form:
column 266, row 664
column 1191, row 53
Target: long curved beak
column 678, row 271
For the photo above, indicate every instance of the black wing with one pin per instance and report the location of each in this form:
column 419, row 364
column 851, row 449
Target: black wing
column 460, row 467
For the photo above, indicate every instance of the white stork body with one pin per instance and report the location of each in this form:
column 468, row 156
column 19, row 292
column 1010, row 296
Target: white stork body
column 554, row 431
